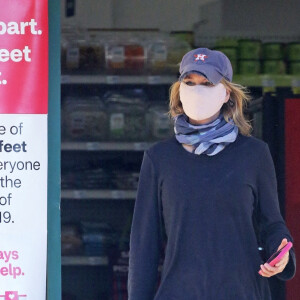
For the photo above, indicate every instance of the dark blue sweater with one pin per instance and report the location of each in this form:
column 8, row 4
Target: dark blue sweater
column 206, row 206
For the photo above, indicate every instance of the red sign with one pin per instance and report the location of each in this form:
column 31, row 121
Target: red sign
column 23, row 57
column 24, row 147
column 292, row 187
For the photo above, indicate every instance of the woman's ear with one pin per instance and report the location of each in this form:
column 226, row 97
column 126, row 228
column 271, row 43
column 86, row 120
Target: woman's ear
column 227, row 96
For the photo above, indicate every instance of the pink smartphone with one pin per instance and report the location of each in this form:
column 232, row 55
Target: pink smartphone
column 276, row 257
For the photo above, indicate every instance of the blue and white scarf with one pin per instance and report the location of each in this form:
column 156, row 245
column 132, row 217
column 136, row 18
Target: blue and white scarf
column 209, row 138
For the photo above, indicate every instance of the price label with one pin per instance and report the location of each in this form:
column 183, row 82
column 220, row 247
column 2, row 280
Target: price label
column 268, row 82
column 296, row 82
column 92, row 146
column 296, row 86
column 113, row 79
column 120, row 268
column 139, row 146
column 79, row 194
column 154, row 79
column 268, row 85
column 65, row 79
column 116, row 194
column 72, row 60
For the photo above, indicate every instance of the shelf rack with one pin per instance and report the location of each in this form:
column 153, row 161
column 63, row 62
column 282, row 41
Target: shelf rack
column 84, row 260
column 98, row 194
column 259, row 80
column 105, row 146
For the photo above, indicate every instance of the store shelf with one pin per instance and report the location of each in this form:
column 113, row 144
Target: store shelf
column 105, row 146
column 248, row 80
column 98, row 194
column 84, row 260
column 118, row 79
column 268, row 80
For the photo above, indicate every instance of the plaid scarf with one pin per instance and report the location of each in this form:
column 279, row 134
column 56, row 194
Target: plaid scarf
column 209, row 138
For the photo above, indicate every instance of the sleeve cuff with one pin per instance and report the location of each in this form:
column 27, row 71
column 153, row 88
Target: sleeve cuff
column 290, row 269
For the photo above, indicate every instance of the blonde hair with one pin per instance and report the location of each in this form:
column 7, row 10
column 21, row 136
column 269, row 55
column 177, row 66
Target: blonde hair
column 239, row 94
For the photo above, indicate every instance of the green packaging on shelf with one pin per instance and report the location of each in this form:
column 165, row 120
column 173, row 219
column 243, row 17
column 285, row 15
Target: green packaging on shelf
column 230, row 52
column 274, row 67
column 234, row 64
column 249, row 67
column 272, row 51
column 293, row 51
column 294, row 68
column 249, row 49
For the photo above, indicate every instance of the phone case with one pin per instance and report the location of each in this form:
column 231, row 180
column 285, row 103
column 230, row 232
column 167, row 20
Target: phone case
column 276, row 257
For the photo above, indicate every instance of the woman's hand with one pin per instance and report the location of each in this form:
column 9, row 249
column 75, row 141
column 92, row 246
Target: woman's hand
column 268, row 271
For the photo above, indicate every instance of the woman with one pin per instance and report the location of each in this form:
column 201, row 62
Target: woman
column 206, row 187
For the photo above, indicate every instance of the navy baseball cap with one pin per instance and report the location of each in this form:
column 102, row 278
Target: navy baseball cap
column 212, row 64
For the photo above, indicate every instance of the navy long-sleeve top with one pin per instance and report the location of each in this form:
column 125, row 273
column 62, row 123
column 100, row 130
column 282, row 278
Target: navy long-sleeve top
column 206, row 207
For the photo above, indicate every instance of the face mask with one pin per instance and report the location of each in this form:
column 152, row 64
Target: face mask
column 200, row 102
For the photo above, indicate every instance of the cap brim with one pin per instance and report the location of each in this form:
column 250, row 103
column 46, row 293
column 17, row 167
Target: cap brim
column 207, row 70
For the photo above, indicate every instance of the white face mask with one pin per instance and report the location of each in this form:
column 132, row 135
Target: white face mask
column 200, row 102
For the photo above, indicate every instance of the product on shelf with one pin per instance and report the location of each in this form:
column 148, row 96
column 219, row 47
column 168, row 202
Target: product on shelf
column 73, row 40
column 154, row 52
column 85, row 119
column 96, row 51
column 249, row 67
column 77, row 54
column 165, row 53
column 293, row 51
column 98, row 238
column 122, row 52
column 157, row 55
column 177, row 48
column 126, row 111
column 293, row 57
column 274, row 67
column 125, row 180
column 249, row 49
column 294, row 67
column 86, row 178
column 161, row 126
column 71, row 242
column 255, row 57
column 82, row 51
column 272, row 51
column 125, row 51
column 67, row 34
